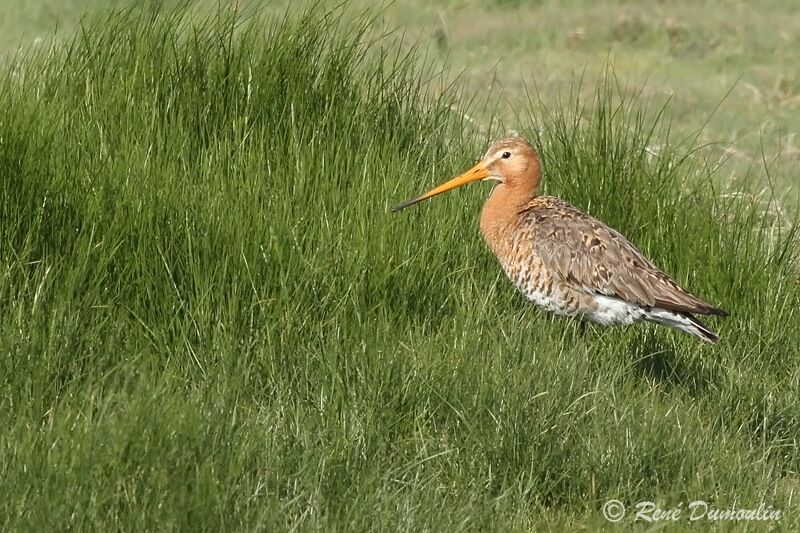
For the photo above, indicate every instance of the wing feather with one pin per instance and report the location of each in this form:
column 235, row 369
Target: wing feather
column 585, row 252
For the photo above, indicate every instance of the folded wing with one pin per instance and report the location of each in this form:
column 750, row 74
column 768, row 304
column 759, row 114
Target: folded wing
column 586, row 253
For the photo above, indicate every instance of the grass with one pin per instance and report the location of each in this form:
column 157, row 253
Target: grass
column 210, row 320
column 738, row 56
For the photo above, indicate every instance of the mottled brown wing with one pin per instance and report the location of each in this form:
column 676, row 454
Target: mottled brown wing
column 585, row 252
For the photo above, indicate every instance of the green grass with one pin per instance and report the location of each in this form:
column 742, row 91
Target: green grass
column 740, row 56
column 210, row 320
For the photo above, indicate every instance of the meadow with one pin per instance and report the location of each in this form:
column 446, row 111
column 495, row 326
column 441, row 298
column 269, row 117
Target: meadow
column 211, row 320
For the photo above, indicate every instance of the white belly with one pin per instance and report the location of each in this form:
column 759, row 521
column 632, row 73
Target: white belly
column 567, row 301
column 612, row 311
column 554, row 301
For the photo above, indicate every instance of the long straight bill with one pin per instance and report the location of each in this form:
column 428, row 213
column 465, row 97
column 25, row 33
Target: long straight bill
column 476, row 173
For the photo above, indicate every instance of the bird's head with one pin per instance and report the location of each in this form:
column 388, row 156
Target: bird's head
column 513, row 162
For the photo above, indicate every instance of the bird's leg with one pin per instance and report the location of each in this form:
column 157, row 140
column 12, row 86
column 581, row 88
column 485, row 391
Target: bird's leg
column 582, row 327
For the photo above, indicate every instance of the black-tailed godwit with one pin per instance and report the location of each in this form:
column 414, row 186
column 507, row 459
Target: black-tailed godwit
column 568, row 262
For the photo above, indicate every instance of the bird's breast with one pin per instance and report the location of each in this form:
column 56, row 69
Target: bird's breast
column 540, row 285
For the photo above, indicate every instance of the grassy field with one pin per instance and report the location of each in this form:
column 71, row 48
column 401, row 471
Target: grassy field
column 209, row 319
column 733, row 59
column 732, row 56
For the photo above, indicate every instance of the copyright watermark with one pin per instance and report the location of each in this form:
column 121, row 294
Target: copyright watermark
column 646, row 511
column 614, row 510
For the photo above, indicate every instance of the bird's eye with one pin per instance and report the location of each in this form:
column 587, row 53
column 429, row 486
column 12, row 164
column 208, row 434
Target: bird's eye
column 506, row 155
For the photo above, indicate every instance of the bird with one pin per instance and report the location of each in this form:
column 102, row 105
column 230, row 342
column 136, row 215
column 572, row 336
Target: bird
column 565, row 261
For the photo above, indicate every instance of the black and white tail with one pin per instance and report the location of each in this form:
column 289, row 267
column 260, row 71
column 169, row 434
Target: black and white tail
column 682, row 321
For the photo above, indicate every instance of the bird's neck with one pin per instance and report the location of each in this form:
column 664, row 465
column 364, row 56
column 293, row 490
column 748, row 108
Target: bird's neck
column 501, row 210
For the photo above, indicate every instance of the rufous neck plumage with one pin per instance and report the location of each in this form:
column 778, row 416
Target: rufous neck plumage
column 515, row 190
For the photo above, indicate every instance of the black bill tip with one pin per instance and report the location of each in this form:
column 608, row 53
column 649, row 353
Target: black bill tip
column 407, row 203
